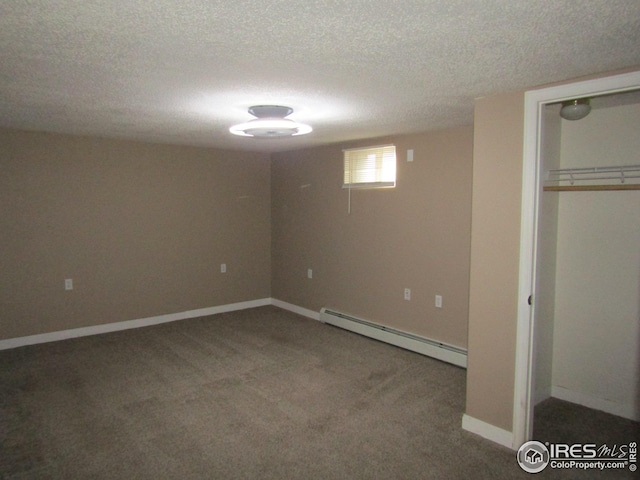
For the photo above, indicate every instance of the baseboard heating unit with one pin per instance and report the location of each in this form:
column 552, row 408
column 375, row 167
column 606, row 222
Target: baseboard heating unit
column 425, row 346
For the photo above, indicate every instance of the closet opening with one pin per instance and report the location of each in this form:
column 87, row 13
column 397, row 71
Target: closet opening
column 563, row 245
column 587, row 322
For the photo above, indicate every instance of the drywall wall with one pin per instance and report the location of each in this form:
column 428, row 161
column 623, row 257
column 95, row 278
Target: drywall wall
column 495, row 253
column 413, row 236
column 546, row 257
column 141, row 229
column 495, row 245
column 596, row 356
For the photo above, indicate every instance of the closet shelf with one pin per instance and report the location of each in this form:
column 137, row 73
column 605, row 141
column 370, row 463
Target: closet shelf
column 618, row 174
column 587, row 188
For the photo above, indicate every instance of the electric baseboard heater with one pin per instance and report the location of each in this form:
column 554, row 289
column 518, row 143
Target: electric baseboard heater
column 425, row 346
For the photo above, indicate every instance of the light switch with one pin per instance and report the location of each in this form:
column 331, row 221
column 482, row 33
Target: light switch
column 410, row 155
column 439, row 301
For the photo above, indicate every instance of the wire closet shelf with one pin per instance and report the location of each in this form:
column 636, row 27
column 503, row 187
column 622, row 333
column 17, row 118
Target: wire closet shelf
column 617, row 178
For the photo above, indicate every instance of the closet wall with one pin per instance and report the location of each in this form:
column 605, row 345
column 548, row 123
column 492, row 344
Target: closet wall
column 546, row 258
column 596, row 321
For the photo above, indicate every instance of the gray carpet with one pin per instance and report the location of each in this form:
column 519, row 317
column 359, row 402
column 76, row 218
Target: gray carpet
column 558, row 421
column 255, row 394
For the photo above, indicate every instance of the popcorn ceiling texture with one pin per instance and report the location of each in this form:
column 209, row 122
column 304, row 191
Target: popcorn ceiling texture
column 184, row 71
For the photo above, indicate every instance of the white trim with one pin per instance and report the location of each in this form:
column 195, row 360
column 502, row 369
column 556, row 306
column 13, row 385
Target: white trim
column 522, row 410
column 368, row 146
column 629, row 411
column 534, row 101
column 488, row 431
column 126, row 325
column 296, row 309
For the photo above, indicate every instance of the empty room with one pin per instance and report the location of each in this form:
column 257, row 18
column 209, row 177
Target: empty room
column 319, row 240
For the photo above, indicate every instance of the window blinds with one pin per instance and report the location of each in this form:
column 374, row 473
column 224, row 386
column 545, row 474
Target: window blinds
column 371, row 167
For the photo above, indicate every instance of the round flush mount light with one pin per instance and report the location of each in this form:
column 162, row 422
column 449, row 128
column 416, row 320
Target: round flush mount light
column 575, row 109
column 270, row 122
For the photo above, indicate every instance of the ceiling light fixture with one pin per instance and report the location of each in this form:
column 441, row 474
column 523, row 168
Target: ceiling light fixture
column 575, row 109
column 270, row 123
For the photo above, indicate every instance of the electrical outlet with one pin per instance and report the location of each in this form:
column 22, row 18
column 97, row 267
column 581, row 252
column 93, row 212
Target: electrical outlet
column 439, row 301
column 223, row 268
column 309, row 273
column 68, row 284
column 407, row 294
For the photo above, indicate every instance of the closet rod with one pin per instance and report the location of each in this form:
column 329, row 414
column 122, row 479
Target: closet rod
column 586, row 188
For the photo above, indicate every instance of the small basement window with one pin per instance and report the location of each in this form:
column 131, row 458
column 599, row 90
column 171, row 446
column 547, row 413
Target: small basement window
column 370, row 167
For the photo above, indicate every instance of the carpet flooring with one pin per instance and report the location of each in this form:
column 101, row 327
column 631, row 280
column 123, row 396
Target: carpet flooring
column 255, row 394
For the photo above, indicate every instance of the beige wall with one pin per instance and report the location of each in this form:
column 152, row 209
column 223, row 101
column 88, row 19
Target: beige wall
column 495, row 244
column 413, row 236
column 141, row 229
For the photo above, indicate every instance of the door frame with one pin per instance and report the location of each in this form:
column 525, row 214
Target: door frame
column 534, row 102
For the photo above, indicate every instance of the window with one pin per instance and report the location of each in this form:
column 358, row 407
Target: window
column 370, row 167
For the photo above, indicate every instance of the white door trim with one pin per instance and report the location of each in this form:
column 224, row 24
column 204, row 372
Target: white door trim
column 534, row 101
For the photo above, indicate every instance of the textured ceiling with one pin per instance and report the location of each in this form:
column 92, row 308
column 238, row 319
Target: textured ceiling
column 183, row 71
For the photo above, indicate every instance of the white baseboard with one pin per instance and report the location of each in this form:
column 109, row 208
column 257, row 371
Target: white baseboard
column 296, row 309
column 488, row 431
column 630, row 411
column 126, row 325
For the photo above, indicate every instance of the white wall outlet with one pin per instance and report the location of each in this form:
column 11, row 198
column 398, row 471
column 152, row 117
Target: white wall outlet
column 68, row 284
column 407, row 294
column 439, row 301
column 223, row 268
column 309, row 273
